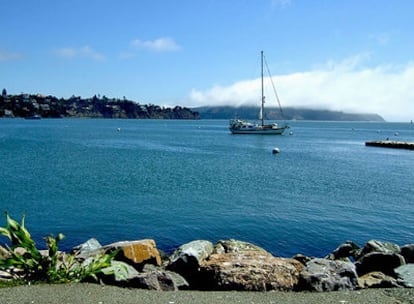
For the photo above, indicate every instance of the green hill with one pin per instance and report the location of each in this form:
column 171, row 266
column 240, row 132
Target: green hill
column 227, row 112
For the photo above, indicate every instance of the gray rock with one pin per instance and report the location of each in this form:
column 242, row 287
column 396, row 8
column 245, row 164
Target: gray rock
column 378, row 261
column 407, row 251
column 328, row 275
column 405, row 275
column 155, row 278
column 344, row 251
column 244, row 266
column 301, row 258
column 378, row 246
column 193, row 252
column 187, row 258
column 377, row 280
column 90, row 246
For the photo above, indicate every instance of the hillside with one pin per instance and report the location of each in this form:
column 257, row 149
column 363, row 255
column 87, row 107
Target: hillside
column 226, row 112
column 28, row 105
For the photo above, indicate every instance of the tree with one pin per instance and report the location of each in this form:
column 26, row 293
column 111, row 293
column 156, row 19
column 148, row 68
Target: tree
column 4, row 93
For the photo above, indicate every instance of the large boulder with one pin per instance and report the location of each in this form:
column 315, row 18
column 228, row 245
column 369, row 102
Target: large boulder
column 407, row 251
column 87, row 249
column 377, row 280
column 405, row 275
column 137, row 253
column 186, row 260
column 239, row 265
column 344, row 252
column 328, row 275
column 378, row 246
column 379, row 261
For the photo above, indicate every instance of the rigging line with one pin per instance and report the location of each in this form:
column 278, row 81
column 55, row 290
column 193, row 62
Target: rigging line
column 274, row 88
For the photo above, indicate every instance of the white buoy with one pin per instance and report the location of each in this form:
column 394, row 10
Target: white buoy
column 275, row 151
column 119, row 129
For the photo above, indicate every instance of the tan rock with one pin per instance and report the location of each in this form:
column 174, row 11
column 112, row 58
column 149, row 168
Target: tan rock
column 139, row 252
column 250, row 268
column 376, row 280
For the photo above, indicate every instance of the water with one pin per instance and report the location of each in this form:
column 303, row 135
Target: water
column 177, row 181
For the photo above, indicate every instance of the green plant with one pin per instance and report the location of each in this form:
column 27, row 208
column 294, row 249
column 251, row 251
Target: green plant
column 23, row 261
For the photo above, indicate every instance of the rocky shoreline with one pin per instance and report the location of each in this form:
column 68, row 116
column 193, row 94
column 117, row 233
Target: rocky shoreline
column 232, row 265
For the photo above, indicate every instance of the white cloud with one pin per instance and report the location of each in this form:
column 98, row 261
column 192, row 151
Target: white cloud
column 85, row 51
column 343, row 86
column 8, row 56
column 163, row 44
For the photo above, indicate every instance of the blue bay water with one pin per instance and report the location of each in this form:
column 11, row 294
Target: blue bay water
column 177, row 181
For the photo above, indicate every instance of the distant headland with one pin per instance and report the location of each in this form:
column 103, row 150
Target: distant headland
column 47, row 106
column 38, row 105
column 250, row 112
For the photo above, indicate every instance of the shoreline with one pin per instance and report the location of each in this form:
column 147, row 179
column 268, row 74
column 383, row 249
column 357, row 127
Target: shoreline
column 88, row 293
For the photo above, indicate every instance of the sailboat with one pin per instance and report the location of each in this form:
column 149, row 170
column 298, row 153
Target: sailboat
column 239, row 126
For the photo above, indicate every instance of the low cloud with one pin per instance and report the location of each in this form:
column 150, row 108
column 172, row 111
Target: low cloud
column 84, row 52
column 341, row 86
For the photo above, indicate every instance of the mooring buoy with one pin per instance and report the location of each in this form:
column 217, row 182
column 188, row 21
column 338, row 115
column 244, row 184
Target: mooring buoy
column 275, row 151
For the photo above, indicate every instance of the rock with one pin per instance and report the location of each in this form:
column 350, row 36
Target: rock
column 234, row 246
column 5, row 276
column 405, row 275
column 137, row 253
column 377, row 280
column 19, row 251
column 90, row 246
column 378, row 246
column 407, row 251
column 328, row 275
column 190, row 254
column 155, row 278
column 378, row 261
column 242, row 266
column 344, row 251
column 167, row 280
column 187, row 258
column 301, row 258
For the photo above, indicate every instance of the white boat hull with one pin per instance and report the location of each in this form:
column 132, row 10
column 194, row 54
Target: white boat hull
column 278, row 131
column 238, row 126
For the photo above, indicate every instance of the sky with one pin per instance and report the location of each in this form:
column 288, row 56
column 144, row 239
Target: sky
column 343, row 55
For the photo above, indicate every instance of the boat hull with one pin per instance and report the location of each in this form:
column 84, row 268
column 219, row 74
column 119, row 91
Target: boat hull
column 278, row 131
column 259, row 130
column 238, row 126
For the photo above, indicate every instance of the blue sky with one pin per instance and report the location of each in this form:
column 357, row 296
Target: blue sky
column 342, row 55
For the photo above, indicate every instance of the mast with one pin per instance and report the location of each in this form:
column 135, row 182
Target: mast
column 263, row 97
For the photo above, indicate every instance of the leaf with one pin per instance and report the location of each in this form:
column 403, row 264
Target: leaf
column 120, row 270
column 5, row 232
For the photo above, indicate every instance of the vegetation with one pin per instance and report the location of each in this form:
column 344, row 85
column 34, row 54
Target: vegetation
column 24, row 263
column 27, row 105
